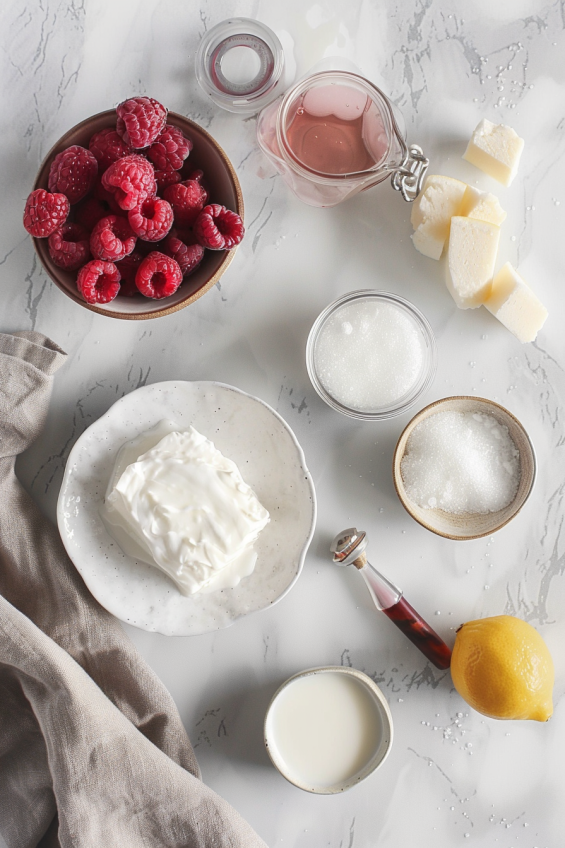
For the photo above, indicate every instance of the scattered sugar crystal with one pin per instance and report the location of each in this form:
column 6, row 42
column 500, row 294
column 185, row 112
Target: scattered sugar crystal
column 465, row 462
column 369, row 355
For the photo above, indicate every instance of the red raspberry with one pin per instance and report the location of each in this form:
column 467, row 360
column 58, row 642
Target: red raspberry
column 68, row 246
column 145, row 247
column 44, row 212
column 98, row 281
column 197, row 175
column 131, row 180
column 128, row 288
column 108, row 147
column 166, row 178
column 189, row 256
column 170, row 150
column 218, row 228
column 158, row 276
column 140, row 121
column 187, row 199
column 111, row 239
column 152, row 220
column 185, row 235
column 73, row 172
column 90, row 210
column 107, row 199
column 128, row 269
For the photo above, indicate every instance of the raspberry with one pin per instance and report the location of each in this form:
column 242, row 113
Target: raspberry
column 170, row 150
column 44, row 212
column 218, row 228
column 158, row 276
column 152, row 220
column 145, row 247
column 98, row 281
column 189, row 256
column 107, row 199
column 166, row 178
column 90, row 210
column 131, row 180
column 128, row 269
column 140, row 121
column 111, row 239
column 197, row 175
column 185, row 235
column 73, row 172
column 68, row 246
column 187, row 199
column 128, row 287
column 108, row 147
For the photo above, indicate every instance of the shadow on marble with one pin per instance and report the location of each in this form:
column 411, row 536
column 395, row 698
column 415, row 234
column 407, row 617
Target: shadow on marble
column 40, row 468
column 235, row 730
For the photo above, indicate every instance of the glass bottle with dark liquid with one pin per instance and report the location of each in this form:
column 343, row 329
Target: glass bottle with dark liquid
column 389, row 599
column 348, row 548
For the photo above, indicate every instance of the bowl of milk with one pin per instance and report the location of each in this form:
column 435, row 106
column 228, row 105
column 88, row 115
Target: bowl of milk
column 327, row 729
column 371, row 355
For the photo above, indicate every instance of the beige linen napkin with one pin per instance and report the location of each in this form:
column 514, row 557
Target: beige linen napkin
column 92, row 750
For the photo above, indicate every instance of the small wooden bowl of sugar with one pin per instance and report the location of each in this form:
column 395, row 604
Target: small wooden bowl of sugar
column 464, row 467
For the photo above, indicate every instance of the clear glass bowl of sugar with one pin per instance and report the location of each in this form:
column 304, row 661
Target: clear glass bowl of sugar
column 371, row 355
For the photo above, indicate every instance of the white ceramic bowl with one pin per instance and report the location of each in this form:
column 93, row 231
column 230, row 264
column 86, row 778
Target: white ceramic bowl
column 469, row 525
column 377, row 717
column 271, row 461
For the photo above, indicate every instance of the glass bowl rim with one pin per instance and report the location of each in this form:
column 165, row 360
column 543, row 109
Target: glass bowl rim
column 424, row 381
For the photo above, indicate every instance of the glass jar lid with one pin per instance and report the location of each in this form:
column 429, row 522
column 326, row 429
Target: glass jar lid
column 240, row 64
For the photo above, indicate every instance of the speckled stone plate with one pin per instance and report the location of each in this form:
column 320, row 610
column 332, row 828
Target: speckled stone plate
column 270, row 459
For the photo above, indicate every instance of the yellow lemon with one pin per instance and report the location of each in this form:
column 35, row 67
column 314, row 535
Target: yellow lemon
column 502, row 667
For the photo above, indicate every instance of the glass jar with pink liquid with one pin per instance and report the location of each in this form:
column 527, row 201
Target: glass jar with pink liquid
column 334, row 134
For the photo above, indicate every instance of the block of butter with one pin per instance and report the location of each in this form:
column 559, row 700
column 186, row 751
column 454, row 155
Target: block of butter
column 432, row 211
column 515, row 305
column 482, row 206
column 496, row 150
column 471, row 255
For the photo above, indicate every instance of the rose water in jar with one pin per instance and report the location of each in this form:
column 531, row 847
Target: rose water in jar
column 334, row 134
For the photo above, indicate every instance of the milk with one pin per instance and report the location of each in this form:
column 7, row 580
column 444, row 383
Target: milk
column 324, row 728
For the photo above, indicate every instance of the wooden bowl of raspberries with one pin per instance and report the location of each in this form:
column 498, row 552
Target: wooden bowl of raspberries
column 135, row 212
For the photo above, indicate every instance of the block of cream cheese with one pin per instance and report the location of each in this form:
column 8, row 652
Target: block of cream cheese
column 432, row 211
column 515, row 305
column 177, row 502
column 471, row 255
column 482, row 206
column 496, row 150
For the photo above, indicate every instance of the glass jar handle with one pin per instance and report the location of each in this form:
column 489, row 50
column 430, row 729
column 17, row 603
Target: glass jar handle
column 409, row 176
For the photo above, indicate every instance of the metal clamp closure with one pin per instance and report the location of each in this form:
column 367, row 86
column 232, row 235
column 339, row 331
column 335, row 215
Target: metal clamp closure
column 408, row 178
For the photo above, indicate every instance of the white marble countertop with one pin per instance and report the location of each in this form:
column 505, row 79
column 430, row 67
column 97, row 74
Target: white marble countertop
column 453, row 777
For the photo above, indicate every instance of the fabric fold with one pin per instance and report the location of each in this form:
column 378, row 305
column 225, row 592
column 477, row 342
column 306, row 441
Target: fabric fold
column 87, row 731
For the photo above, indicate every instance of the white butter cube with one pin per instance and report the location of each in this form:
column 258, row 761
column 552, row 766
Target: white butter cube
column 482, row 206
column 496, row 150
column 471, row 255
column 515, row 305
column 432, row 211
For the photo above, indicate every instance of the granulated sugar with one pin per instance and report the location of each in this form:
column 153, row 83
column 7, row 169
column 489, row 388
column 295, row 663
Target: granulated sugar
column 461, row 462
column 369, row 355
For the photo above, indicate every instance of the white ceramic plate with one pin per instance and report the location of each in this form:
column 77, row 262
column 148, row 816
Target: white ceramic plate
column 271, row 461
